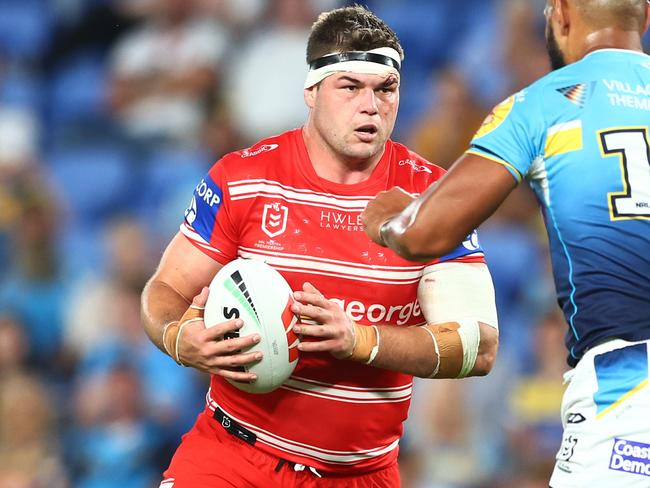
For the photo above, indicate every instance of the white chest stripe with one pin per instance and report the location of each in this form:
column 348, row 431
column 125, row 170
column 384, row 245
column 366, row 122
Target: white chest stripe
column 348, row 394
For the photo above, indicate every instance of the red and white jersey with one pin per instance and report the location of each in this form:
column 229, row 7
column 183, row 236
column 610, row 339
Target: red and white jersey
column 268, row 203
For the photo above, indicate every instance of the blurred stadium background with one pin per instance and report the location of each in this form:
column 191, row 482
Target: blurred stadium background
column 111, row 110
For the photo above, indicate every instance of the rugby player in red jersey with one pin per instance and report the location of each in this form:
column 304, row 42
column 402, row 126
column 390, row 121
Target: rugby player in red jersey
column 295, row 200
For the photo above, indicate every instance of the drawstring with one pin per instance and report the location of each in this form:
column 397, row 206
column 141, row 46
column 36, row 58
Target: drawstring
column 301, row 467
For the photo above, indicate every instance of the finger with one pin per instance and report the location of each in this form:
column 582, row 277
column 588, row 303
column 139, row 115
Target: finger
column 318, row 346
column 196, row 308
column 232, row 346
column 216, row 332
column 309, row 288
column 314, row 331
column 201, row 299
column 311, row 312
column 236, row 361
column 315, row 299
column 398, row 189
column 239, row 376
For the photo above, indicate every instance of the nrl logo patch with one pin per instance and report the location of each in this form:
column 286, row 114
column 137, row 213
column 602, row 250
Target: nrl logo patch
column 274, row 219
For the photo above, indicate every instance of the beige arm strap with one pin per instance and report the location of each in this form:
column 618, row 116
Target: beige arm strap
column 173, row 330
column 454, row 298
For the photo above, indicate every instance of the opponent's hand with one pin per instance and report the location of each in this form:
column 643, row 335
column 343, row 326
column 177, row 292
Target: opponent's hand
column 207, row 350
column 335, row 330
column 386, row 205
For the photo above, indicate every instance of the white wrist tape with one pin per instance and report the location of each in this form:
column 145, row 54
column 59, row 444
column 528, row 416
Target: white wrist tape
column 375, row 349
column 461, row 293
column 470, row 336
column 437, row 348
column 449, row 292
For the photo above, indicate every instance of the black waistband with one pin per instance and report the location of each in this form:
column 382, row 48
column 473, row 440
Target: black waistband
column 233, row 427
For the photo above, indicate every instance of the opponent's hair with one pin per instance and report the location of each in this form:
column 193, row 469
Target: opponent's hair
column 628, row 15
column 349, row 29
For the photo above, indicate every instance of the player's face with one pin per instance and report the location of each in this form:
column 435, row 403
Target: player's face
column 552, row 47
column 355, row 113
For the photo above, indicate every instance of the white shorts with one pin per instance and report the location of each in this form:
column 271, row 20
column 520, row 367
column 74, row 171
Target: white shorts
column 606, row 420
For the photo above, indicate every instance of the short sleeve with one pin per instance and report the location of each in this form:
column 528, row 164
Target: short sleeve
column 208, row 220
column 513, row 133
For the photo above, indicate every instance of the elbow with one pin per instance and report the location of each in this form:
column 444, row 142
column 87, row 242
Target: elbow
column 418, row 246
column 484, row 364
column 487, row 353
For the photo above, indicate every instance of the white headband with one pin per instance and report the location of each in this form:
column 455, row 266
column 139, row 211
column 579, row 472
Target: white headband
column 380, row 61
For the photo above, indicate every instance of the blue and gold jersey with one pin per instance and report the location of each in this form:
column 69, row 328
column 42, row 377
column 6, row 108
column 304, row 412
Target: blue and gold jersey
column 580, row 137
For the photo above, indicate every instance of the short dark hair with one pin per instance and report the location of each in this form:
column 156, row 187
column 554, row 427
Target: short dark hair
column 349, row 29
column 628, row 15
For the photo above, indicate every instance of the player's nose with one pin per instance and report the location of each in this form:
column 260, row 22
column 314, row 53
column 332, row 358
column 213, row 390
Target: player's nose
column 369, row 101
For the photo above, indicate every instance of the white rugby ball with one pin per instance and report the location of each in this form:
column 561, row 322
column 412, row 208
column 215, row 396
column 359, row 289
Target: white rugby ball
column 259, row 295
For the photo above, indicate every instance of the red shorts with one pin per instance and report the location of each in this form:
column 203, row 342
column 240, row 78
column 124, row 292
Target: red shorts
column 211, row 457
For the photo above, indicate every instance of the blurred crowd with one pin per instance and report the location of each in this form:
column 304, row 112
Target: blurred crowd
column 112, row 110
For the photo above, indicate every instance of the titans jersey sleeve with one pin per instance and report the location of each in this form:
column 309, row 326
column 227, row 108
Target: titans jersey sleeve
column 469, row 251
column 208, row 220
column 513, row 133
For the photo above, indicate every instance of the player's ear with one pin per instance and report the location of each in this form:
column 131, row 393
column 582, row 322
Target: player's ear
column 647, row 17
column 562, row 10
column 310, row 96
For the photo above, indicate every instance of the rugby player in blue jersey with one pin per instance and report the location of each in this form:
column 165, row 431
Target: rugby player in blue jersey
column 580, row 137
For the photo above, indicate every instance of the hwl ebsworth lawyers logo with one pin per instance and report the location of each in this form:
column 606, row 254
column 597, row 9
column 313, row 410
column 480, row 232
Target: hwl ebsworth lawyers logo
column 630, row 457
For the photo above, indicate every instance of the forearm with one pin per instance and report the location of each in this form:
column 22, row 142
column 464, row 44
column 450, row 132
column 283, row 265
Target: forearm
column 434, row 223
column 161, row 304
column 436, row 353
column 407, row 350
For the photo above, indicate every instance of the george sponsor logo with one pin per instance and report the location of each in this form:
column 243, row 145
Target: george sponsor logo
column 274, row 219
column 630, row 457
column 378, row 313
column 345, row 221
column 575, row 418
column 413, row 164
column 247, row 153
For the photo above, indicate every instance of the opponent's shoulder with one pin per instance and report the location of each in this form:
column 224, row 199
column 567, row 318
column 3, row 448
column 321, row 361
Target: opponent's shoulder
column 410, row 166
column 568, row 81
column 256, row 159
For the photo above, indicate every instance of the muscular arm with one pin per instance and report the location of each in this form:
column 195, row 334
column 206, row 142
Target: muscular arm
column 438, row 220
column 182, row 273
column 457, row 300
column 411, row 351
column 177, row 292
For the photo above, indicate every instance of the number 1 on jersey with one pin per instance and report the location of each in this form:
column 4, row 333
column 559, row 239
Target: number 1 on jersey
column 631, row 145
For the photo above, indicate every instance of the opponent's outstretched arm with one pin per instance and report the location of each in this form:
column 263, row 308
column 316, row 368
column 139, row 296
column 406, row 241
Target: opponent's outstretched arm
column 460, row 338
column 447, row 212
